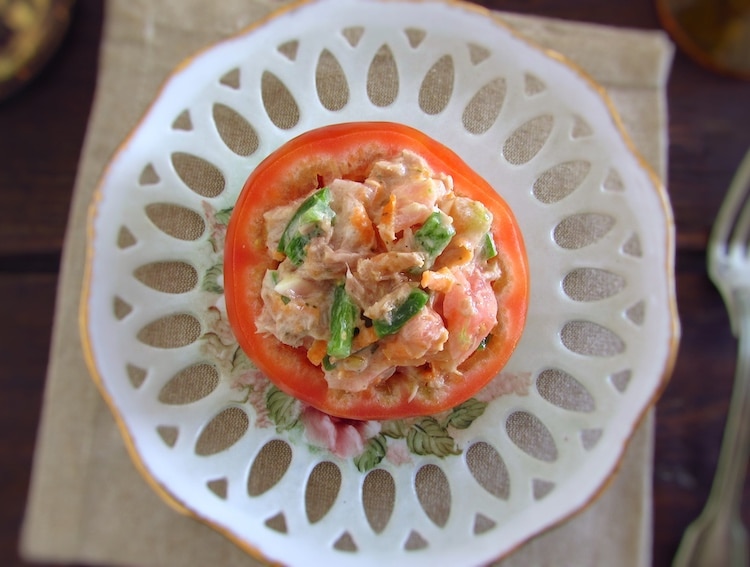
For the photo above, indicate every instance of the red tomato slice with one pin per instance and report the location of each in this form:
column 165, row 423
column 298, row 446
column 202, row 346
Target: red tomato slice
column 347, row 151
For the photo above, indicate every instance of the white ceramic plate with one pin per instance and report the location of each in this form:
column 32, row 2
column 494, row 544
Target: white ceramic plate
column 466, row 487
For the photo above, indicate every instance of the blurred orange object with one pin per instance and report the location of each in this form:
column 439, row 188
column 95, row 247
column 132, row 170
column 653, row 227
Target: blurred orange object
column 715, row 33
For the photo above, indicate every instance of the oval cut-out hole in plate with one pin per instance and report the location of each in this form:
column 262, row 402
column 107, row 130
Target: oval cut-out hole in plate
column 168, row 276
column 200, row 175
column 582, row 229
column 528, row 140
column 278, row 102
column 223, row 431
column 378, row 498
column 484, row 107
column 176, row 221
column 434, row 493
column 437, row 86
column 172, row 331
column 330, row 82
column 236, row 132
column 531, row 436
column 592, row 284
column 488, row 469
column 190, row 385
column 121, row 308
column 277, row 523
column 415, row 542
column 382, row 78
column 345, row 543
column 591, row 339
column 560, row 181
column 168, row 434
column 136, row 375
column 322, row 489
column 483, row 524
column 562, row 390
column 269, row 467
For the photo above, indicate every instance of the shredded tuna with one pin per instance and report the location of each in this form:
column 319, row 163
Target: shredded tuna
column 388, row 265
column 423, row 293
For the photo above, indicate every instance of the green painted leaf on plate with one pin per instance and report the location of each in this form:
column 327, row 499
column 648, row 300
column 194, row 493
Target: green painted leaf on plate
column 395, row 429
column 283, row 409
column 211, row 279
column 241, row 362
column 373, row 453
column 462, row 416
column 222, row 216
column 429, row 437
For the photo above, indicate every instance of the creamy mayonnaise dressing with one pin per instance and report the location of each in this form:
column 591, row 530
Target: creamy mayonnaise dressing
column 391, row 274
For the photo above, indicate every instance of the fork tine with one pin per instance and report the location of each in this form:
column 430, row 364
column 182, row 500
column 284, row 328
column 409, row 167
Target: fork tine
column 738, row 242
column 729, row 229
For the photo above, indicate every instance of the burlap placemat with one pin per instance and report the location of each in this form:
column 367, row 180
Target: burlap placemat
column 87, row 503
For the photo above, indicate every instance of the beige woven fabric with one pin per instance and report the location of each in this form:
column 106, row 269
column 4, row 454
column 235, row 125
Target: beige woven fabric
column 87, row 501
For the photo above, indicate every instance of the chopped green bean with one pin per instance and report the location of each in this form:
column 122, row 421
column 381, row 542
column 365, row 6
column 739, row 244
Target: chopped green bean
column 435, row 234
column 489, row 248
column 305, row 225
column 400, row 314
column 327, row 364
column 344, row 314
column 274, row 275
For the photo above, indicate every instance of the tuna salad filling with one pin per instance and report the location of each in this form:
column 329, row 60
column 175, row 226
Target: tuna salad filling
column 393, row 273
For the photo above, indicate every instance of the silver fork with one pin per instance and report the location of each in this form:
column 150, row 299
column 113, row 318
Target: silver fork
column 718, row 537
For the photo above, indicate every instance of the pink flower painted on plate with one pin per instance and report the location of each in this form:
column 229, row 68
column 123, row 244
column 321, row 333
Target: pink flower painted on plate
column 343, row 437
column 217, row 229
column 219, row 342
column 505, row 383
column 255, row 384
column 398, row 454
column 217, row 324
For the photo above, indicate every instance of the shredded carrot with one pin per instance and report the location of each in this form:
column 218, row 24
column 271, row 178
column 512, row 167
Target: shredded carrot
column 365, row 337
column 388, row 218
column 317, row 352
column 441, row 280
column 363, row 225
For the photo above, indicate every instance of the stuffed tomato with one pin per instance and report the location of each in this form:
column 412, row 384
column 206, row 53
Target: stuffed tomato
column 370, row 273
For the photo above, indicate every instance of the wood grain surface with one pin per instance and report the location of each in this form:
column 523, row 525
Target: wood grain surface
column 41, row 135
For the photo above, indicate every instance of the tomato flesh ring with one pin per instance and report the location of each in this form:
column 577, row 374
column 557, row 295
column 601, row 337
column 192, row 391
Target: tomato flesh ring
column 346, row 151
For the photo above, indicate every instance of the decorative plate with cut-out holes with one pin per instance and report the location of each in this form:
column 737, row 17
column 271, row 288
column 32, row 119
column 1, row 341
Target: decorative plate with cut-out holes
column 287, row 482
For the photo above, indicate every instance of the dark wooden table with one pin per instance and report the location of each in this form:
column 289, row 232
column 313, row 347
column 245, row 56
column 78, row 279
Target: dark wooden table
column 41, row 134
